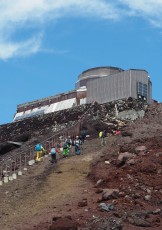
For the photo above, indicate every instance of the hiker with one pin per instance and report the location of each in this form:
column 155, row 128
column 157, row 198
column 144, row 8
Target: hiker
column 53, row 154
column 39, row 151
column 69, row 142
column 65, row 150
column 102, row 135
column 83, row 134
column 77, row 143
column 117, row 132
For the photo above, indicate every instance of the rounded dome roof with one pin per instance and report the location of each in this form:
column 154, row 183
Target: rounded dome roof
column 100, row 71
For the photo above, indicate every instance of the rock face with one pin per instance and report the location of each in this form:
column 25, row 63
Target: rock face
column 135, row 169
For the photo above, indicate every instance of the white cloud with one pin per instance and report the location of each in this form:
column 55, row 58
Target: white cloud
column 150, row 10
column 10, row 49
column 15, row 15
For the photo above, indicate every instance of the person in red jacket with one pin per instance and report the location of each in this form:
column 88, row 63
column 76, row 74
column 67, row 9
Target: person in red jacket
column 117, row 132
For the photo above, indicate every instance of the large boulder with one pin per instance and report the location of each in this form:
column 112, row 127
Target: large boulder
column 141, row 150
column 123, row 157
column 108, row 194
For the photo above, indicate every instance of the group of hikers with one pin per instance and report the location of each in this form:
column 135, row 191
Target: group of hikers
column 63, row 148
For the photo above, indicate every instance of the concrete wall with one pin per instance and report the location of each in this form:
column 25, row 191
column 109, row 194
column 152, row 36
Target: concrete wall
column 117, row 86
column 109, row 88
column 130, row 114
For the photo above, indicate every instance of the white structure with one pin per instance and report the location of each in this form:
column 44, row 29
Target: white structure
column 101, row 84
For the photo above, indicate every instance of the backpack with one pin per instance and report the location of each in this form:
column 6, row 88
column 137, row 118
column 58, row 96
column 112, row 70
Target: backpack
column 65, row 146
column 53, row 151
column 100, row 134
column 77, row 142
column 38, row 147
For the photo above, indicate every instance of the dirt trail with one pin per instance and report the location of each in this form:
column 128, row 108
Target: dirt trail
column 46, row 190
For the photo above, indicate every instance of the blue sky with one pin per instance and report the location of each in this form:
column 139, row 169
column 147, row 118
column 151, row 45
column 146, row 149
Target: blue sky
column 46, row 44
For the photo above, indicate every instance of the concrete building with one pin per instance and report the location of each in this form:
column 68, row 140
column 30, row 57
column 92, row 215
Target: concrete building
column 101, row 84
column 106, row 84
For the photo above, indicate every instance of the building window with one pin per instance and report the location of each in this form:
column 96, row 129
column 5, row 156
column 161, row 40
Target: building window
column 142, row 90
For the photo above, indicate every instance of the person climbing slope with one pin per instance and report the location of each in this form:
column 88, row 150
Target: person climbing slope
column 53, row 154
column 102, row 135
column 39, row 151
column 66, row 150
column 77, row 143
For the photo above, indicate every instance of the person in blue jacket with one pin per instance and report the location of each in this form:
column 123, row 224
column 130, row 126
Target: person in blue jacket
column 53, row 154
column 39, row 151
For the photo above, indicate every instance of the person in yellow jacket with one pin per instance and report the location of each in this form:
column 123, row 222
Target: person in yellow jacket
column 39, row 151
column 102, row 135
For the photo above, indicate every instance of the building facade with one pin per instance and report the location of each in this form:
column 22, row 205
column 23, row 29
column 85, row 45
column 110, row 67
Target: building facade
column 118, row 85
column 101, row 84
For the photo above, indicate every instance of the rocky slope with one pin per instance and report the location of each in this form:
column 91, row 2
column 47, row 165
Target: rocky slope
column 29, row 130
column 118, row 186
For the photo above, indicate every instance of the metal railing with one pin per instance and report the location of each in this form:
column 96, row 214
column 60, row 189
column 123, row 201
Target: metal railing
column 14, row 165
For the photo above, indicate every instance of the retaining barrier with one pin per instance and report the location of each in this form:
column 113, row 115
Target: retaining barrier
column 11, row 167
